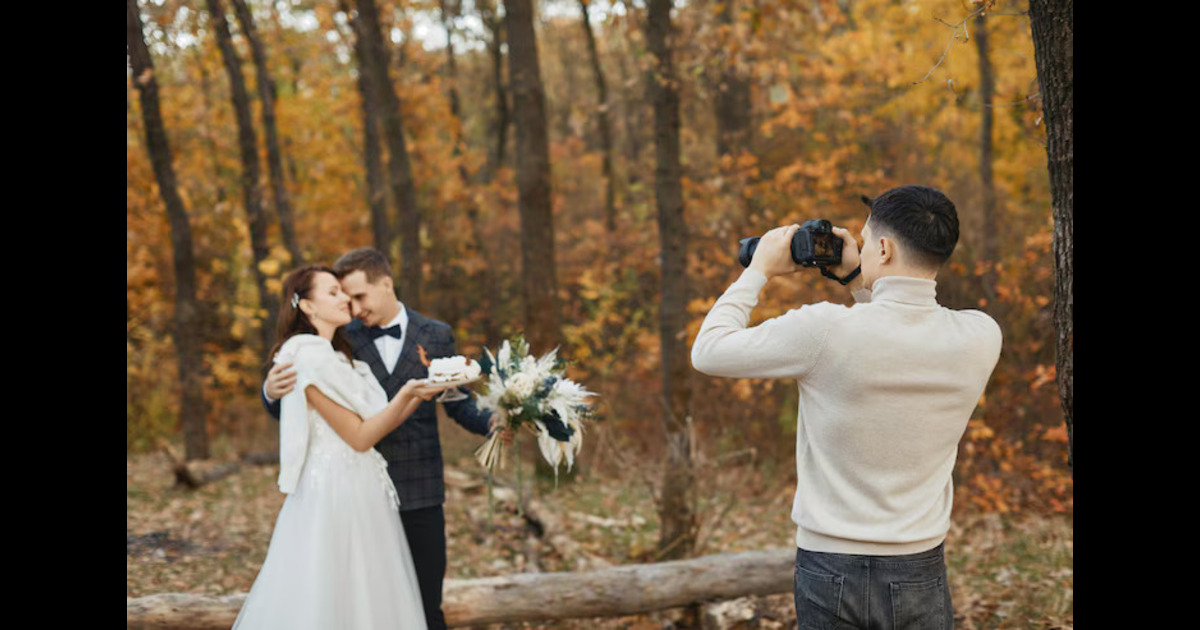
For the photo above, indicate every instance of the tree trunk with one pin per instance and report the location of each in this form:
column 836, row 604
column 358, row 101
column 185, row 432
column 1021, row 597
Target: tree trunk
column 266, row 94
column 602, row 120
column 372, row 152
column 1052, row 22
column 491, row 289
column 538, row 277
column 500, row 121
column 987, row 81
column 611, row 592
column 678, row 533
column 633, row 116
column 192, row 409
column 219, row 172
column 248, row 146
column 374, row 49
column 733, row 97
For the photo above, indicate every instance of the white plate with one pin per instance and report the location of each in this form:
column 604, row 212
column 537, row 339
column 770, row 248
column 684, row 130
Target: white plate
column 457, row 383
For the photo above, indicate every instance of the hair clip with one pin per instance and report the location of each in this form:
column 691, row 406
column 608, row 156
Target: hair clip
column 295, row 300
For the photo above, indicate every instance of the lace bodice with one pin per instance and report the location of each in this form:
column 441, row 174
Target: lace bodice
column 307, row 442
column 328, row 453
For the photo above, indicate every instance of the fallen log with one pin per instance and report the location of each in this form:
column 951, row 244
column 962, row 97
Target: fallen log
column 183, row 611
column 617, row 591
column 610, row 592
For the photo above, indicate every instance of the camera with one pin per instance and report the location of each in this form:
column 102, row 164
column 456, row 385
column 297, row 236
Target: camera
column 813, row 245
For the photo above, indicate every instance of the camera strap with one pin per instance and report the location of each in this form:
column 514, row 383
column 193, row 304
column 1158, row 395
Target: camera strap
column 844, row 281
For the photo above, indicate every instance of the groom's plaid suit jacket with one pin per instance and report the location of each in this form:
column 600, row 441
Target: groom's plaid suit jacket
column 414, row 451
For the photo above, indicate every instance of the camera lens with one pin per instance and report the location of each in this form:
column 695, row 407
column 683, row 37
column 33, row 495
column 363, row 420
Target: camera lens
column 746, row 249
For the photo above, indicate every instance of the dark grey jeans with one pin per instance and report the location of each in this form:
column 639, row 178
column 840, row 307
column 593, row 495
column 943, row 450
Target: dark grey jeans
column 843, row 591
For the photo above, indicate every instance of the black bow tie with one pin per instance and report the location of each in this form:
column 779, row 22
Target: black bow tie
column 376, row 332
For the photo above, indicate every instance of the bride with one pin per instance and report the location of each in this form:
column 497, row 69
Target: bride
column 338, row 557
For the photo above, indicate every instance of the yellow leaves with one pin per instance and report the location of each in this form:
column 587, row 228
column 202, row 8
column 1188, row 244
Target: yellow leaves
column 978, row 430
column 1041, row 375
column 269, row 267
column 989, row 493
column 276, row 263
column 1056, row 434
column 237, row 330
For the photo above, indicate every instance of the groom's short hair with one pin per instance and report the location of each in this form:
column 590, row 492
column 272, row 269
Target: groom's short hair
column 368, row 260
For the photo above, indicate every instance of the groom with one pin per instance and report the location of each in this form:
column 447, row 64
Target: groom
column 386, row 336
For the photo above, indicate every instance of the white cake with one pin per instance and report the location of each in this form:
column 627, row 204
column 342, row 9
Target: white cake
column 456, row 368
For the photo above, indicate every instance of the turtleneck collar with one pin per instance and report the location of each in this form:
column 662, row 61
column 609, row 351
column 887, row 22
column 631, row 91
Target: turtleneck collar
column 905, row 289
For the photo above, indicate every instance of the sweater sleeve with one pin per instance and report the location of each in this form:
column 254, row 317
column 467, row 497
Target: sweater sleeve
column 786, row 346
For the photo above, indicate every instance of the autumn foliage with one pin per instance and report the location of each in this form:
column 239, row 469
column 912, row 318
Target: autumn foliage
column 839, row 100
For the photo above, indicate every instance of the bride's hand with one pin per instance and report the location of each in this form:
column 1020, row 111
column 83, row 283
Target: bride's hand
column 423, row 389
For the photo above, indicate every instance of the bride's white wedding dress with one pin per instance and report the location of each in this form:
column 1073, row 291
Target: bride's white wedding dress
column 338, row 557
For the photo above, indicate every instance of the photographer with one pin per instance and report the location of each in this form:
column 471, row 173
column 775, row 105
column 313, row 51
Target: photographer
column 886, row 388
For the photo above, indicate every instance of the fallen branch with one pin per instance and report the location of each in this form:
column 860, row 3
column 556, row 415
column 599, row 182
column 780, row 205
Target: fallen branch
column 197, row 472
column 615, row 591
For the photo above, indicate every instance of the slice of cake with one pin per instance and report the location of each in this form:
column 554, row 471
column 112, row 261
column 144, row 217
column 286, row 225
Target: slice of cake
column 450, row 369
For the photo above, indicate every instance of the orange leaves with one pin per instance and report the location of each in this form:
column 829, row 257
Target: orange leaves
column 1056, row 434
column 1042, row 374
column 836, row 117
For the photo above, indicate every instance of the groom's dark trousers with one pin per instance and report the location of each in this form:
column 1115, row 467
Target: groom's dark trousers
column 414, row 451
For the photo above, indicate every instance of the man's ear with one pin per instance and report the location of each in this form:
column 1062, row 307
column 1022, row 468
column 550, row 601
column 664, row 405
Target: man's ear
column 887, row 249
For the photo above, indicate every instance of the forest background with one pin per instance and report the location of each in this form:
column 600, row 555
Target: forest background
column 788, row 110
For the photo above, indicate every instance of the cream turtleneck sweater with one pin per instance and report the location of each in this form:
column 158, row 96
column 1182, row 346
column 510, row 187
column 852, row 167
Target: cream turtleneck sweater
column 886, row 388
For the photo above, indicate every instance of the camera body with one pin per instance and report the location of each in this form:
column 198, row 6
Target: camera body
column 813, row 245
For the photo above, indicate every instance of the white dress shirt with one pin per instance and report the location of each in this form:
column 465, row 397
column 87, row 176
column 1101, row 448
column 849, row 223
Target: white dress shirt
column 388, row 346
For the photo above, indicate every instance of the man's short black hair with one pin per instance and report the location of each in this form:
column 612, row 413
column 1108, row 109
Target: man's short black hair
column 922, row 218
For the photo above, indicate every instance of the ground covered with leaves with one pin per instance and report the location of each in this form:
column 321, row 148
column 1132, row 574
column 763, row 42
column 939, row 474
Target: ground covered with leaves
column 1006, row 571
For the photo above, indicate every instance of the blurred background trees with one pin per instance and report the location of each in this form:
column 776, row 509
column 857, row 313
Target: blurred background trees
column 574, row 221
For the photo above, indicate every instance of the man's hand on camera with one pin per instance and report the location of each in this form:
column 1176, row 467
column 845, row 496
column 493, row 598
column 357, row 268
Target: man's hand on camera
column 280, row 380
column 773, row 256
column 850, row 255
column 851, row 258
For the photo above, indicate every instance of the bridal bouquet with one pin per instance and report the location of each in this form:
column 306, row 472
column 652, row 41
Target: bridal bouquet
column 531, row 393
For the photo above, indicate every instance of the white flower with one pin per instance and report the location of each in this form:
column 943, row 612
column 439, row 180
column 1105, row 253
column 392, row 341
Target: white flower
column 505, row 355
column 522, row 385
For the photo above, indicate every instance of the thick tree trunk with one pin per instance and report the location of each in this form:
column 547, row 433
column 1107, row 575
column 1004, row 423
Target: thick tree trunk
column 611, row 592
column 266, row 95
column 400, row 177
column 248, row 146
column 991, row 251
column 602, row 121
column 372, row 152
column 192, row 409
column 678, row 532
column 1052, row 22
column 538, row 277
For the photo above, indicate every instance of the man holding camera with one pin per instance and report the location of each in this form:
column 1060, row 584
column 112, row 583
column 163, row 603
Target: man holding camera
column 886, row 388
